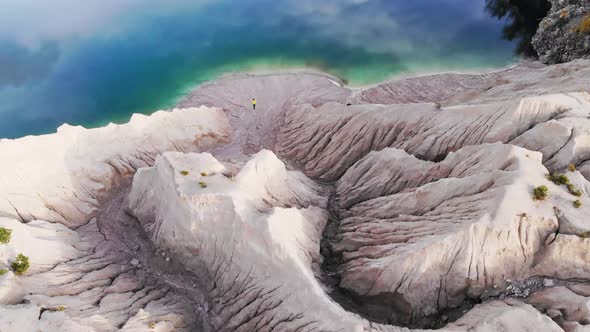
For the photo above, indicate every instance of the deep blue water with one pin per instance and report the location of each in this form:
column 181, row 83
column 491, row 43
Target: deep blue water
column 95, row 61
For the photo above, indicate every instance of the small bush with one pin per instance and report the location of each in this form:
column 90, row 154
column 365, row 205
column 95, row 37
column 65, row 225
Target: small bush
column 585, row 235
column 152, row 325
column 5, row 235
column 185, row 173
column 60, row 308
column 203, row 174
column 558, row 178
column 584, row 26
column 203, row 184
column 541, row 192
column 577, row 204
column 571, row 167
column 3, row 272
column 20, row 265
column 572, row 189
column 523, row 215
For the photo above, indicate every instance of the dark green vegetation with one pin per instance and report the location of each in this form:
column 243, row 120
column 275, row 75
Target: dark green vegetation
column 5, row 235
column 203, row 184
column 20, row 265
column 185, row 173
column 560, row 179
column 524, row 17
column 541, row 192
column 577, row 204
column 572, row 189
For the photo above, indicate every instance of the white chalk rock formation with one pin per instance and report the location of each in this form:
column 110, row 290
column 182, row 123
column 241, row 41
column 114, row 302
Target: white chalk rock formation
column 509, row 315
column 256, row 231
column 43, row 243
column 569, row 307
column 327, row 140
column 61, row 177
column 524, row 80
column 86, row 276
column 26, row 317
column 427, row 235
column 405, row 207
column 256, row 130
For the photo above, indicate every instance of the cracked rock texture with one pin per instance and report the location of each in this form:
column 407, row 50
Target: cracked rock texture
column 80, row 278
column 62, row 177
column 411, row 208
column 422, row 236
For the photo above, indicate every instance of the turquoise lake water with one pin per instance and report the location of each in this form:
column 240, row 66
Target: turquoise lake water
column 138, row 59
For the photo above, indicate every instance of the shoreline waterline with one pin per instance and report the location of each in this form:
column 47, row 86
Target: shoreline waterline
column 285, row 70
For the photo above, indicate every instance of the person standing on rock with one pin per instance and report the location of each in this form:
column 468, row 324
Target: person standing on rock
column 254, row 103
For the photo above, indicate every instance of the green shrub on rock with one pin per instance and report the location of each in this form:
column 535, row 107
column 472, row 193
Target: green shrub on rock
column 5, row 235
column 20, row 265
column 3, row 272
column 540, row 192
column 572, row 189
column 577, row 204
column 558, row 179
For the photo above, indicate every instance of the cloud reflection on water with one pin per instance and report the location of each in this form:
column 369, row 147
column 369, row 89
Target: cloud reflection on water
column 99, row 60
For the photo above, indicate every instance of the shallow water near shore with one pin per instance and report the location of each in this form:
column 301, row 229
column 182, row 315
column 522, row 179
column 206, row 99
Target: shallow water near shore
column 147, row 60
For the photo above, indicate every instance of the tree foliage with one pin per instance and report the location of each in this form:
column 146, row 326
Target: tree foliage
column 523, row 19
